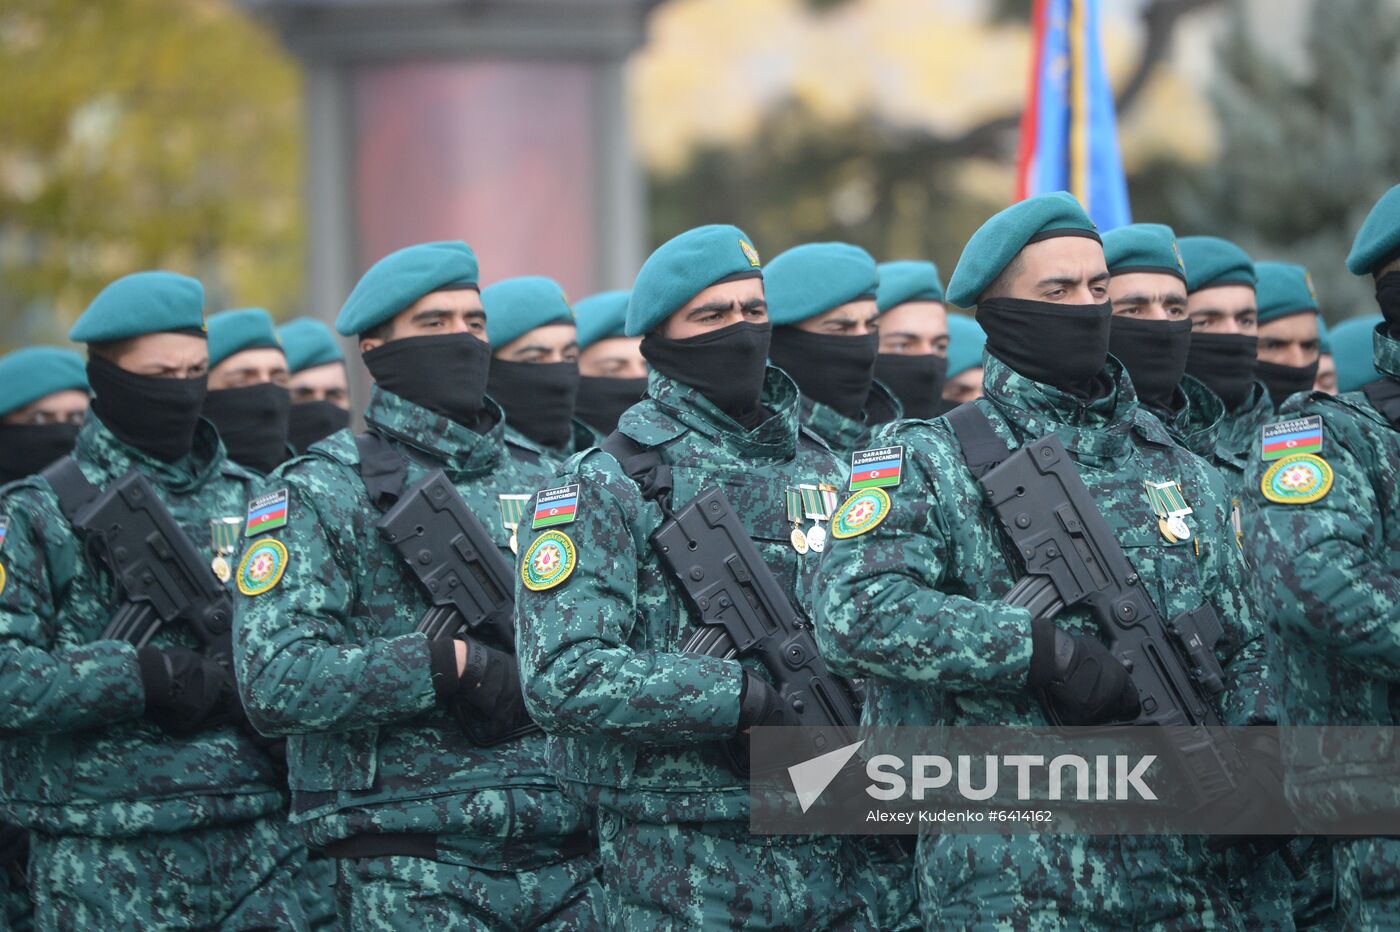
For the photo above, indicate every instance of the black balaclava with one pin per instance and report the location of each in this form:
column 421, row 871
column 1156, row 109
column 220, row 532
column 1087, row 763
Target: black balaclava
column 445, row 373
column 1282, row 381
column 833, row 370
column 601, row 400
column 538, row 398
column 1388, row 297
column 26, row 449
column 726, row 365
column 157, row 416
column 917, row 381
column 1061, row 345
column 311, row 421
column 1154, row 353
column 252, row 422
column 1226, row 363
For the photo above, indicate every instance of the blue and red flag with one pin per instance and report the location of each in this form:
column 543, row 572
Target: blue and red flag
column 1069, row 131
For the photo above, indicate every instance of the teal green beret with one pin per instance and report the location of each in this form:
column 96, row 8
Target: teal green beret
column 684, row 266
column 516, row 306
column 308, row 343
column 965, row 343
column 1378, row 240
column 1353, row 349
column 243, row 329
column 1324, row 337
column 393, row 283
column 1212, row 261
column 1143, row 247
column 910, row 280
column 28, row 374
column 1283, row 289
column 135, row 305
column 998, row 241
column 601, row 317
column 813, row 278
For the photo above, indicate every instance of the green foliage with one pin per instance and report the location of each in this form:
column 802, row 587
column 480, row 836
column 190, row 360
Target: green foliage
column 1306, row 147
column 137, row 134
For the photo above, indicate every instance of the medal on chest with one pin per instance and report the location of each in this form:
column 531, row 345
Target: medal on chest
column 223, row 540
column 793, row 499
column 1171, row 510
column 512, row 512
column 818, row 502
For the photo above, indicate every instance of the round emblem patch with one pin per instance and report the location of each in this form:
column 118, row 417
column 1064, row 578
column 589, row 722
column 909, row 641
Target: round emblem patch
column 1297, row 479
column 862, row 512
column 261, row 567
column 548, row 562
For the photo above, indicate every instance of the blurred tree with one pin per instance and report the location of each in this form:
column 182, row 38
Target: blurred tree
column 138, row 134
column 899, row 192
column 1306, row 146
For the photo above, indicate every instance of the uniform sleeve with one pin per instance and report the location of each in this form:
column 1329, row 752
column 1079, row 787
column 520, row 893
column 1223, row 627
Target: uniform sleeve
column 581, row 668
column 46, row 688
column 883, row 609
column 301, row 668
column 1249, row 698
column 1323, row 572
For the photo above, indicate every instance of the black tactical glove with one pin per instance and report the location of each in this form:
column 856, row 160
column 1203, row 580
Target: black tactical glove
column 1086, row 684
column 187, row 692
column 759, row 704
column 487, row 700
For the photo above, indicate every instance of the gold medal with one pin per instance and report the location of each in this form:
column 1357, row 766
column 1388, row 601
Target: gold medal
column 799, row 540
column 512, row 510
column 792, row 498
column 223, row 539
column 1164, row 526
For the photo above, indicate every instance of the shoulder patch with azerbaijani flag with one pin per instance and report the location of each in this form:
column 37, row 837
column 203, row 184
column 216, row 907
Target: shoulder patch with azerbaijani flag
column 1300, row 435
column 555, row 506
column 266, row 513
column 877, row 468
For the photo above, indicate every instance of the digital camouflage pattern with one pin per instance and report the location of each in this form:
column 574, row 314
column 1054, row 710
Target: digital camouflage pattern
column 330, row 657
column 583, row 438
column 413, row 894
column 719, row 876
column 78, row 758
column 1196, row 423
column 637, row 726
column 1237, row 442
column 250, row 875
column 914, row 604
column 1330, row 572
column 79, row 762
column 843, row 435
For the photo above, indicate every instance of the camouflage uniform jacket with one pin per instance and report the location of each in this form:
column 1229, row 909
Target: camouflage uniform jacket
column 551, row 458
column 1334, row 595
column 915, row 602
column 330, row 655
column 1239, row 431
column 844, row 435
column 637, row 724
column 1195, row 420
column 79, row 759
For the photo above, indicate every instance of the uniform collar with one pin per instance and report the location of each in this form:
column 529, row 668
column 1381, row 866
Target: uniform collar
column 843, row 434
column 1097, row 430
column 106, row 458
column 463, row 452
column 1197, row 424
column 1239, row 429
column 1386, row 352
column 672, row 408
